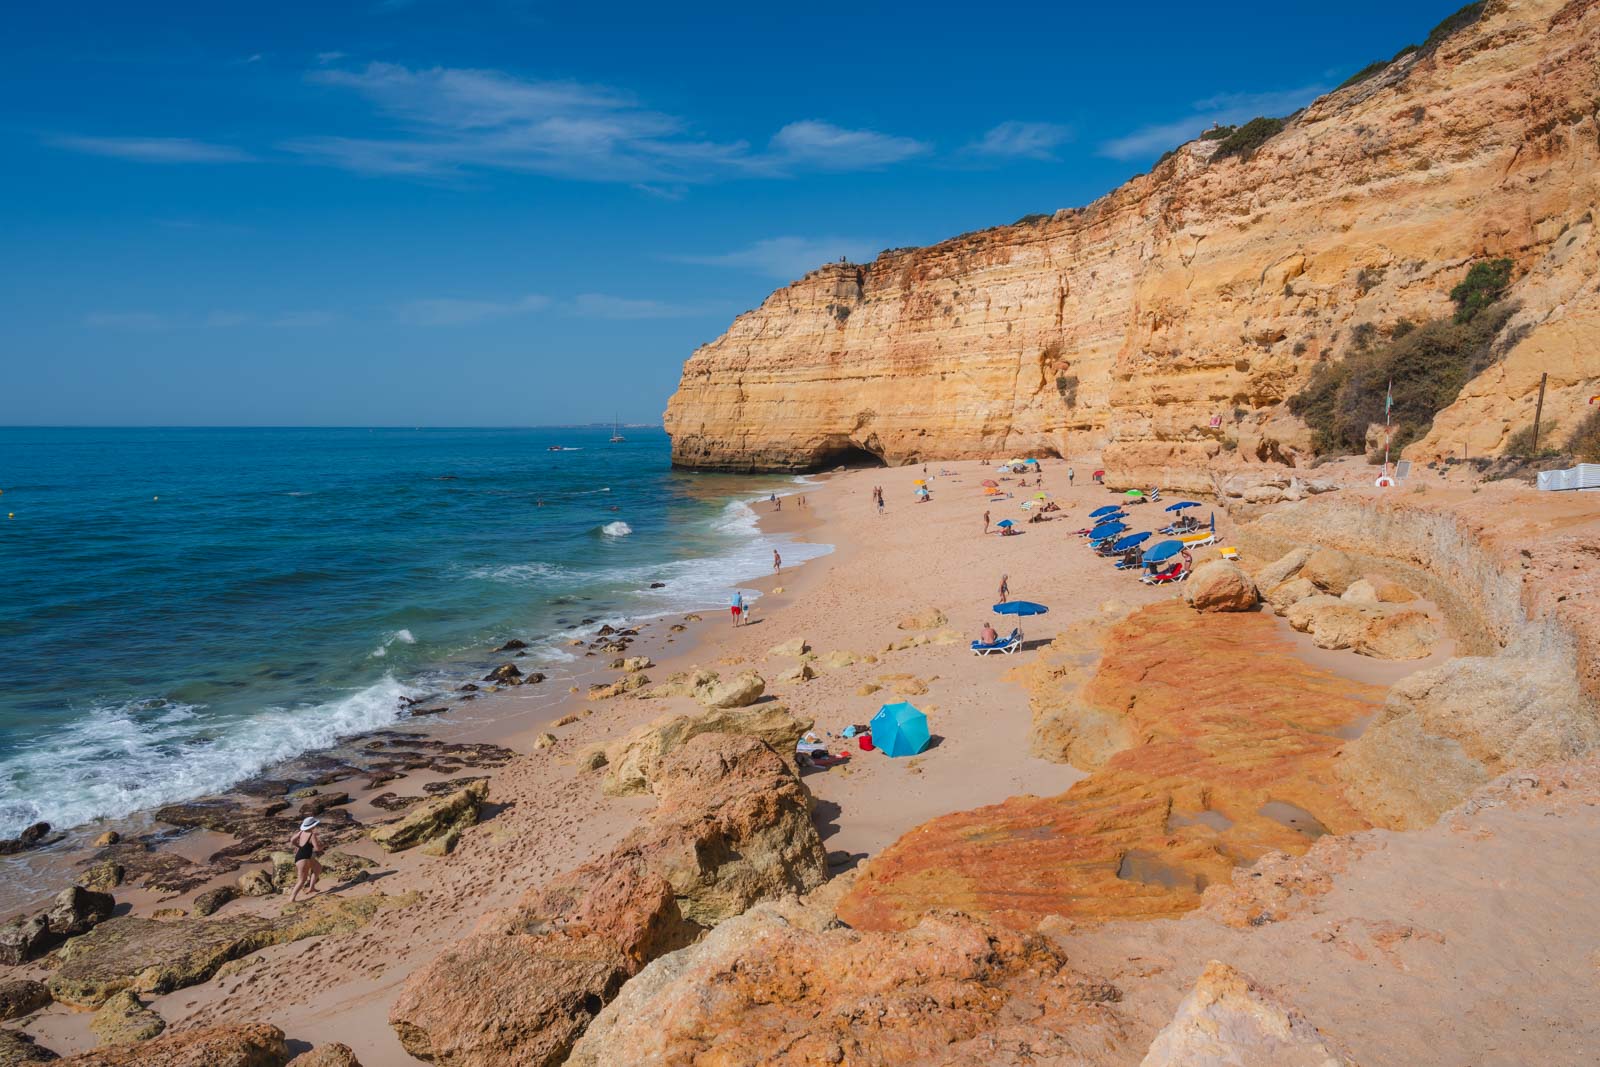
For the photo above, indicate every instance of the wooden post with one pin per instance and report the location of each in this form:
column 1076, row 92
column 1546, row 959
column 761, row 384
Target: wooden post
column 1538, row 411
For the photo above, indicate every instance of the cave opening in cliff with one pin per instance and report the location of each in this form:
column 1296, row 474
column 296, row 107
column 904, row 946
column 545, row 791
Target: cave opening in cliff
column 845, row 454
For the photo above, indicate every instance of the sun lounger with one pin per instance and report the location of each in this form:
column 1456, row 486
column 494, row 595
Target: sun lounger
column 1199, row 540
column 1228, row 552
column 1005, row 646
column 1176, row 574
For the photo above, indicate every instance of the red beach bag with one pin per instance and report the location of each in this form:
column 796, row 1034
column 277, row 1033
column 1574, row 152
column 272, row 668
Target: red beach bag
column 865, row 741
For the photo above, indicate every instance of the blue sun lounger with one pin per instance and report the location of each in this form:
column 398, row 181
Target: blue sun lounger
column 1005, row 646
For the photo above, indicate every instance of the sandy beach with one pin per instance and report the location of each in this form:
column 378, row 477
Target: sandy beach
column 889, row 577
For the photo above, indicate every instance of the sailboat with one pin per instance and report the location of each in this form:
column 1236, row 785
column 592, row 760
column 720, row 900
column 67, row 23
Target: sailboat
column 616, row 433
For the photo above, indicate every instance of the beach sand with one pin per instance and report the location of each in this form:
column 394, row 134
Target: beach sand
column 545, row 816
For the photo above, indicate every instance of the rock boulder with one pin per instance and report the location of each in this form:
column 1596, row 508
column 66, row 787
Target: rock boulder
column 22, row 996
column 123, row 1019
column 1404, row 634
column 737, row 692
column 925, row 619
column 1230, row 1021
column 1221, row 585
column 1280, row 598
column 1330, row 570
column 633, row 762
column 333, row 1054
column 1283, row 568
column 434, row 818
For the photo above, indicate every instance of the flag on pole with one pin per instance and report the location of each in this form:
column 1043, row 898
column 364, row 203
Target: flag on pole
column 1388, row 398
column 1592, row 399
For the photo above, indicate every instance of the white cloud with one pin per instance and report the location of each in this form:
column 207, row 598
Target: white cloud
column 601, row 306
column 451, row 120
column 1226, row 109
column 454, row 311
column 789, row 257
column 828, row 147
column 154, row 149
column 1021, row 140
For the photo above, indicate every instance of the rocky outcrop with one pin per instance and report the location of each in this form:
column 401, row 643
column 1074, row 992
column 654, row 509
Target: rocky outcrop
column 152, row 956
column 1168, row 320
column 632, row 764
column 733, row 827
column 123, row 1019
column 74, row 911
column 1230, row 1021
column 769, row 988
column 249, row 1045
column 1446, row 731
column 1209, row 744
column 434, row 819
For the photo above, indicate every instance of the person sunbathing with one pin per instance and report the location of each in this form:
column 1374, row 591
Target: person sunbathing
column 987, row 635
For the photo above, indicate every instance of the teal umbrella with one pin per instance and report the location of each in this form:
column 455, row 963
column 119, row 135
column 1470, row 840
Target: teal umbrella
column 899, row 730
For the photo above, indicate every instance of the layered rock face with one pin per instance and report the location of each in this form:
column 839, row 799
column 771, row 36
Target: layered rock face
column 1174, row 315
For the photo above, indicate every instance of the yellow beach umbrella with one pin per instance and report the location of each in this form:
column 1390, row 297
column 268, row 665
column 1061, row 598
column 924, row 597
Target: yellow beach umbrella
column 919, row 481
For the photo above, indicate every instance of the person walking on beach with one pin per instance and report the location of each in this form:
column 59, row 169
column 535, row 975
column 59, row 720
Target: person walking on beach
column 1070, row 475
column 737, row 607
column 777, row 503
column 1005, row 588
column 777, row 562
column 985, row 522
column 307, row 870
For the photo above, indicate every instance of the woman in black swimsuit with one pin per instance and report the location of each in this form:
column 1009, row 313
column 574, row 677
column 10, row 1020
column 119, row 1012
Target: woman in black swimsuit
column 306, row 846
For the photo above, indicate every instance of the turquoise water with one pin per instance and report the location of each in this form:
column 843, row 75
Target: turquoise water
column 289, row 586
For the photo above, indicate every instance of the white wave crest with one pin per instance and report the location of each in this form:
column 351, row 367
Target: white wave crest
column 123, row 758
column 517, row 573
column 616, row 529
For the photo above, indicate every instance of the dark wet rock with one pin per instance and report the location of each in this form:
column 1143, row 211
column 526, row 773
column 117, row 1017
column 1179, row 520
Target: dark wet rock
column 322, row 802
column 146, row 865
column 22, row 996
column 77, row 910
column 392, row 802
column 533, row 678
column 512, row 645
column 26, row 939
column 211, row 900
column 34, row 834
column 505, row 674
column 435, row 789
column 606, row 630
column 415, row 712
column 658, row 585
column 468, row 688
column 17, row 1047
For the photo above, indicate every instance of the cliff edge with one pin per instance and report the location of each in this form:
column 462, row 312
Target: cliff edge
column 1166, row 323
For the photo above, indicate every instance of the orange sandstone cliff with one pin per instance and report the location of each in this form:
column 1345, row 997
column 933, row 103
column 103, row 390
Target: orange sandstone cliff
column 1165, row 323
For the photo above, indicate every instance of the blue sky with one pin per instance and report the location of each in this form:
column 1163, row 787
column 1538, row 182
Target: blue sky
column 508, row 213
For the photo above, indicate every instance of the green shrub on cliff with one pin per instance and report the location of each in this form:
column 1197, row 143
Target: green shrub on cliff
column 1482, row 286
column 1520, row 443
column 1244, row 141
column 1428, row 364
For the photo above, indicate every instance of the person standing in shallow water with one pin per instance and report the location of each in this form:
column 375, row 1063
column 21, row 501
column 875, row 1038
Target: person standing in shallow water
column 1005, row 588
column 777, row 562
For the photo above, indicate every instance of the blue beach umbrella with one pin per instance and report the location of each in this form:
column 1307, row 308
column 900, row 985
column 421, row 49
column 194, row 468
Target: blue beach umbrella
column 1125, row 543
column 1033, row 461
column 1163, row 551
column 899, row 730
column 1105, row 530
column 1020, row 607
column 1005, row 522
column 1183, row 504
column 1108, row 509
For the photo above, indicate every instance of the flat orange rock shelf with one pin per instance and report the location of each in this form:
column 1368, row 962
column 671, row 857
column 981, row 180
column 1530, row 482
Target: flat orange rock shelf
column 1233, row 738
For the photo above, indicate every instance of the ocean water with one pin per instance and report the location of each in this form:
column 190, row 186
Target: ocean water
column 184, row 607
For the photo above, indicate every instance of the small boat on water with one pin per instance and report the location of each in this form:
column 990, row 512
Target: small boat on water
column 616, row 433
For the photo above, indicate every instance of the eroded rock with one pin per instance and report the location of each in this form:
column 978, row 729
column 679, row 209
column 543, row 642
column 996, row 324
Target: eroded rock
column 248, row 1045
column 1230, row 1021
column 22, row 996
column 433, row 818
column 123, row 1019
column 1330, row 570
